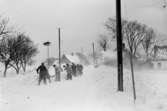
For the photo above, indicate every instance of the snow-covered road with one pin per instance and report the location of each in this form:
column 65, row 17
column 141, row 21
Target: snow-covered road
column 96, row 90
column 23, row 94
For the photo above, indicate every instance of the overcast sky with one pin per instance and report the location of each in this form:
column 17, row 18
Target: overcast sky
column 81, row 21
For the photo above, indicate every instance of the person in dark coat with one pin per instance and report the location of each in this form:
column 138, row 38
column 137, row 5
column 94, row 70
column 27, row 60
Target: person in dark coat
column 43, row 73
column 79, row 69
column 73, row 66
column 69, row 72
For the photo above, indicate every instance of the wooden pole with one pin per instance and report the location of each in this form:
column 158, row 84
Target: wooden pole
column 93, row 46
column 59, row 39
column 48, row 55
column 59, row 47
column 119, row 45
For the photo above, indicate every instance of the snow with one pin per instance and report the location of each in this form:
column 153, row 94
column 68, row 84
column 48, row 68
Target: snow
column 95, row 90
column 73, row 58
column 109, row 54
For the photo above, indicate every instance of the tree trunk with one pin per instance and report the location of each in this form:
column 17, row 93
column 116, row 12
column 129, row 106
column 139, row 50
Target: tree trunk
column 16, row 67
column 4, row 74
column 23, row 67
column 104, row 48
column 6, row 67
column 17, row 71
column 133, row 80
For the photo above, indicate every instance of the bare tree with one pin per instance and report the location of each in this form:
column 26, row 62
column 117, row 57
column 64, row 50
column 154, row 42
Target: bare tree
column 111, row 26
column 24, row 49
column 132, row 31
column 28, row 50
column 148, row 41
column 5, row 46
column 133, row 35
column 5, row 30
column 4, row 27
column 16, row 52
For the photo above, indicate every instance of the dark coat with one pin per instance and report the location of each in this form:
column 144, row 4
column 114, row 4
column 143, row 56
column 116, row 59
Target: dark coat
column 42, row 70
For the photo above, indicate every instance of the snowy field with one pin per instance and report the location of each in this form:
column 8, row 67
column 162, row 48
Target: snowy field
column 95, row 90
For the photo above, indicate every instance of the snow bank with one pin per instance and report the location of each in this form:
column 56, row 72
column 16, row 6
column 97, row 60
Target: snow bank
column 96, row 90
column 150, row 89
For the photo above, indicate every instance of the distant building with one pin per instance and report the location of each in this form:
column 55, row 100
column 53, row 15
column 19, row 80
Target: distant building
column 160, row 56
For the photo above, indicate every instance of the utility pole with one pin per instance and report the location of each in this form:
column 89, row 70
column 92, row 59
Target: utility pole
column 59, row 47
column 48, row 54
column 119, row 45
column 93, row 46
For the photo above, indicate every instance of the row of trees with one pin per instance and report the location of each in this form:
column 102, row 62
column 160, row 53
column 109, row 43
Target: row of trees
column 16, row 49
column 134, row 34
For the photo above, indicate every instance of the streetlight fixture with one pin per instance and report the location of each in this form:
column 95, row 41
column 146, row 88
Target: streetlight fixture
column 47, row 44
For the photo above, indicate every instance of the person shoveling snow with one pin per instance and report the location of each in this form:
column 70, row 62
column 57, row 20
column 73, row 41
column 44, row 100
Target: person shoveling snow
column 43, row 74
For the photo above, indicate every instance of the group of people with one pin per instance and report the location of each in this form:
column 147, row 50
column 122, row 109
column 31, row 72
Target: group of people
column 71, row 70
